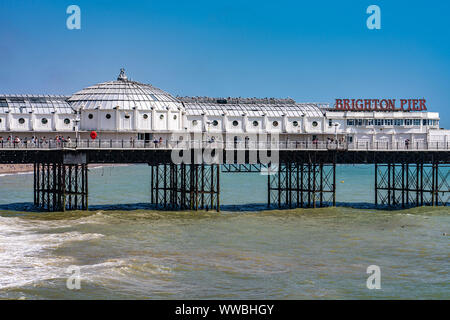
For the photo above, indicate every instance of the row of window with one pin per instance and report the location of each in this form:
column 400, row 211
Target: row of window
column 43, row 121
column 255, row 123
column 391, row 122
column 127, row 116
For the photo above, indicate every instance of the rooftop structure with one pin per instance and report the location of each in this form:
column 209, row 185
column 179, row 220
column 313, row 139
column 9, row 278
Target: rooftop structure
column 123, row 94
column 129, row 110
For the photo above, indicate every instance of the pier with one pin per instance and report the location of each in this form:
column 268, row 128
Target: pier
column 304, row 177
column 188, row 142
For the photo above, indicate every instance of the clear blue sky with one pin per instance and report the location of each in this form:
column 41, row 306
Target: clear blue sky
column 306, row 50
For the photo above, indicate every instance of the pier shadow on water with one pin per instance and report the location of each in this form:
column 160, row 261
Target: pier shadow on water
column 23, row 207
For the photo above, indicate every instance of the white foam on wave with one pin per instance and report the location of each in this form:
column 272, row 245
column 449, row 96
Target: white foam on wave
column 26, row 250
column 15, row 173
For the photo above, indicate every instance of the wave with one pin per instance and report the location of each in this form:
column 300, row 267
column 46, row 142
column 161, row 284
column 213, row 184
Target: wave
column 27, row 251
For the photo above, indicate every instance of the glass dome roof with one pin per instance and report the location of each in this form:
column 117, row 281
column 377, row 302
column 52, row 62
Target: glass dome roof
column 125, row 94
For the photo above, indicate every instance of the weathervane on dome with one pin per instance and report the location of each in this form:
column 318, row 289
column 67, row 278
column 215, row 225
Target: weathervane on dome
column 122, row 76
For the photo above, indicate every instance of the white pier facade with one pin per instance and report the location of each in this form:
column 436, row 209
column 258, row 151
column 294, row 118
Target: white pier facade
column 126, row 110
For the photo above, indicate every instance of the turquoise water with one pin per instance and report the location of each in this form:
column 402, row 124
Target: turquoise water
column 130, row 252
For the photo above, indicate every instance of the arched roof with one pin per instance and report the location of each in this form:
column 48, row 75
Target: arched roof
column 252, row 107
column 37, row 104
column 125, row 94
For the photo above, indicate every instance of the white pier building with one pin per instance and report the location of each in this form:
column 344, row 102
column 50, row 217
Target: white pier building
column 128, row 110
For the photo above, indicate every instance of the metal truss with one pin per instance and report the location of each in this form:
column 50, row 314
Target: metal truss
column 299, row 185
column 412, row 185
column 60, row 187
column 232, row 168
column 185, row 187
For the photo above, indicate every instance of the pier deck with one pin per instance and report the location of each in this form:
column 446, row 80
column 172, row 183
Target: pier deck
column 302, row 175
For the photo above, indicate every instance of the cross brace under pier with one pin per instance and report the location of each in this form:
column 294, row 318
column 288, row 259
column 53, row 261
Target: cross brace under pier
column 60, row 187
column 412, row 185
column 299, row 185
column 185, row 186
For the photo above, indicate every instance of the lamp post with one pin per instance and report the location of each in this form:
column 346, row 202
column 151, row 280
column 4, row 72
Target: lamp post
column 76, row 122
column 335, row 131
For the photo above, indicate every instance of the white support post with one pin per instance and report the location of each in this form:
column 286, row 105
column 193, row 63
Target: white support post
column 224, row 122
column 117, row 118
column 98, row 119
column 153, row 119
column 54, row 118
column 135, row 118
column 8, row 121
column 168, row 119
column 245, row 122
column 284, row 124
column 32, row 121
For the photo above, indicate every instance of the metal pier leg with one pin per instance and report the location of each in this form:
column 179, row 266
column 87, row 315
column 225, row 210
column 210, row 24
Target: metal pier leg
column 218, row 187
column 268, row 185
column 309, row 184
column 301, row 184
column 407, row 184
column 394, row 200
column 334, row 181
column 279, row 185
column 57, row 186
column 314, row 185
column 421, row 182
column 321, row 185
column 376, row 184
column 433, row 183
column 298, row 183
column 389, row 184
column 403, row 185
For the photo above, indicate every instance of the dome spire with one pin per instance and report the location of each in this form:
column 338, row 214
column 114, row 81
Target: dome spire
column 122, row 76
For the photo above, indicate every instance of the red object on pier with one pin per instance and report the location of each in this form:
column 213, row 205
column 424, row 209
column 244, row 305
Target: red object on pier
column 93, row 135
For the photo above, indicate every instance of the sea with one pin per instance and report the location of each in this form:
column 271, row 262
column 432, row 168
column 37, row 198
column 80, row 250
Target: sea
column 123, row 249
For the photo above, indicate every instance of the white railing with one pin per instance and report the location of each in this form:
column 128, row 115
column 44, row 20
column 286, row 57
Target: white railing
column 250, row 145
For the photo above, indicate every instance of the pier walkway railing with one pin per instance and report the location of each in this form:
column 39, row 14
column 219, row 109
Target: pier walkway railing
column 249, row 145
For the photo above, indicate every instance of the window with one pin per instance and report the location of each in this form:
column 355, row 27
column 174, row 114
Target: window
column 398, row 122
column 90, row 116
column 417, row 122
column 315, row 124
column 368, row 122
column 66, row 121
column 145, row 116
column 359, row 122
column 295, row 123
column 350, row 122
column 108, row 116
column 275, row 123
column 21, row 120
column 379, row 122
column 408, row 122
column 44, row 120
column 194, row 122
column 215, row 123
column 388, row 122
column 255, row 123
column 161, row 116
column 235, row 123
